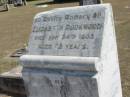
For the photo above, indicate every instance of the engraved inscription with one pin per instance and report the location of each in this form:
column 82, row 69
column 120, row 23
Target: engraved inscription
column 74, row 33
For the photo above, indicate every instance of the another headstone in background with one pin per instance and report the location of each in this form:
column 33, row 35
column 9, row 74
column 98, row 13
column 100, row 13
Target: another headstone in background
column 89, row 2
column 4, row 5
column 72, row 52
column 19, row 2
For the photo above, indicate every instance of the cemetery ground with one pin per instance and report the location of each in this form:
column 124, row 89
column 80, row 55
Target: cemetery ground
column 15, row 28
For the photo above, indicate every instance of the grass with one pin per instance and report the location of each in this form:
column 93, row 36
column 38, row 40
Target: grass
column 15, row 27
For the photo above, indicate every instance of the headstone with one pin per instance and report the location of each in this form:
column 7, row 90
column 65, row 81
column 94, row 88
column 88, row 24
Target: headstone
column 4, row 5
column 89, row 2
column 20, row 2
column 72, row 52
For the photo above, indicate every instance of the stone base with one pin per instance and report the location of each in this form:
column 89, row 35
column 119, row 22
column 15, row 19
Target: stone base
column 11, row 83
column 60, row 83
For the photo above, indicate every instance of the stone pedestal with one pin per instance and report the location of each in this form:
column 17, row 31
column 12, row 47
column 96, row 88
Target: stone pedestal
column 64, row 79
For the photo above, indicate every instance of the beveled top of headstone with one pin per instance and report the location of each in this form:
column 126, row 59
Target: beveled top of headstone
column 73, row 31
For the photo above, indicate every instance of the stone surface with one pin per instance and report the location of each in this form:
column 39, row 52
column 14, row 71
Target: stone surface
column 61, row 62
column 89, row 2
column 72, row 31
column 60, row 85
column 15, row 72
column 73, row 52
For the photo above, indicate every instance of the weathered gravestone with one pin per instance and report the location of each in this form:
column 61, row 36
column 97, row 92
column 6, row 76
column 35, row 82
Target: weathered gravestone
column 19, row 2
column 72, row 52
column 90, row 2
column 4, row 5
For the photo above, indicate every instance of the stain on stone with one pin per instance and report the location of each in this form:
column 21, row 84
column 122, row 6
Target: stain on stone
column 90, row 85
column 48, row 82
column 65, row 90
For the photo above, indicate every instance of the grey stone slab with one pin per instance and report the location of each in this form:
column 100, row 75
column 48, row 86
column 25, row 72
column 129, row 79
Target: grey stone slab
column 15, row 72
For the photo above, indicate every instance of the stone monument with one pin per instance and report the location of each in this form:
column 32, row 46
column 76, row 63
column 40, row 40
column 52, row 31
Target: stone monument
column 89, row 2
column 72, row 52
